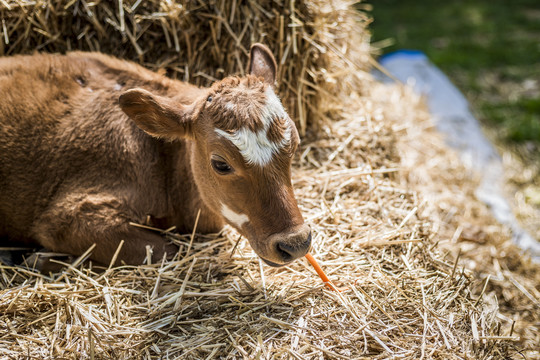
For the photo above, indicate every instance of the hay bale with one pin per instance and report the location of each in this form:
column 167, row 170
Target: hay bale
column 201, row 41
column 377, row 185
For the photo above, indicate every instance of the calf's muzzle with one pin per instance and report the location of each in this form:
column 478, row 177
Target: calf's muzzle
column 288, row 246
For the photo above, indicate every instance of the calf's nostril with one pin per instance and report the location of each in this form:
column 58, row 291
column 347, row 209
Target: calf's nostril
column 285, row 251
column 291, row 250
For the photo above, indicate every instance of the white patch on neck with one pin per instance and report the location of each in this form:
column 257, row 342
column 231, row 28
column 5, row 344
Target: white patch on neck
column 255, row 147
column 233, row 217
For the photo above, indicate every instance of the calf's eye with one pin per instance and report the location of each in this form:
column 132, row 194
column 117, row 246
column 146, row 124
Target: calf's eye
column 220, row 166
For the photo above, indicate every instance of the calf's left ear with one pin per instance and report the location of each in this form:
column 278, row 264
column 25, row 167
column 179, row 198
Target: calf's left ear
column 157, row 115
column 262, row 63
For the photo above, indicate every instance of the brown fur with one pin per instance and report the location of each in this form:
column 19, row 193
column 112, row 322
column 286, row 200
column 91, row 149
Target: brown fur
column 247, row 94
column 75, row 170
column 276, row 130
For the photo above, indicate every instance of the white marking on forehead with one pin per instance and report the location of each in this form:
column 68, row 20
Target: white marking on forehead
column 273, row 108
column 233, row 217
column 255, row 147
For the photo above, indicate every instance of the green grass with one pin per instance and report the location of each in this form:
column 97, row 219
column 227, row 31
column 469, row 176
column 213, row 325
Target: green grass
column 489, row 48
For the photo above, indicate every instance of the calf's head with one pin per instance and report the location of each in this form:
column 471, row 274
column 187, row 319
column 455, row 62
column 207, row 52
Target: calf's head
column 242, row 147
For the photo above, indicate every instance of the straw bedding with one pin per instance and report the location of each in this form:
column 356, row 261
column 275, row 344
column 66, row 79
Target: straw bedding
column 430, row 273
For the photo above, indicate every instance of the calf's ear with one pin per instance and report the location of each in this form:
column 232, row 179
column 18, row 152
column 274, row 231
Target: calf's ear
column 157, row 115
column 262, row 63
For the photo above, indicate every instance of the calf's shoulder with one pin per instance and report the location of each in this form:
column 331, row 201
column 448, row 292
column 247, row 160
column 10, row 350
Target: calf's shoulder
column 62, row 132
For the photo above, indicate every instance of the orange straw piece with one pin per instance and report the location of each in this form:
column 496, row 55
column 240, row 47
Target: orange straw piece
column 321, row 273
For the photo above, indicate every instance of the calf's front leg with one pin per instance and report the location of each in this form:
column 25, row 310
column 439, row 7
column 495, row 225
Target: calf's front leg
column 75, row 222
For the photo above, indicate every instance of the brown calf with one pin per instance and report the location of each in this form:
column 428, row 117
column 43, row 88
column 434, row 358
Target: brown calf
column 76, row 168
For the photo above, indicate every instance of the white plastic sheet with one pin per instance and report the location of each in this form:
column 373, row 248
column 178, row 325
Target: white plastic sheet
column 451, row 115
